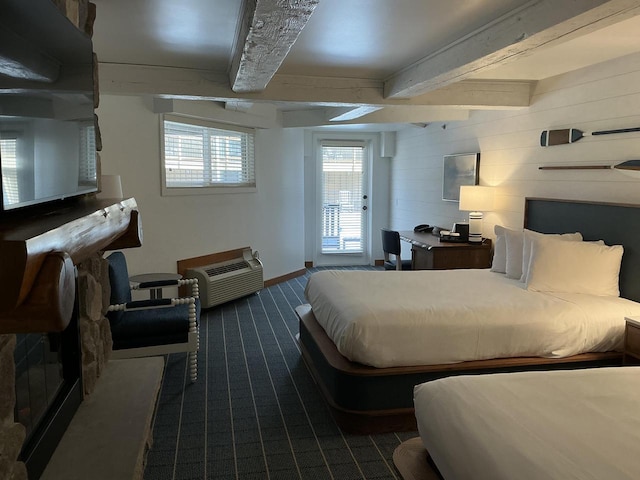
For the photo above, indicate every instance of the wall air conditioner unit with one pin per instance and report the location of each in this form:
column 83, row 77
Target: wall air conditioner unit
column 225, row 281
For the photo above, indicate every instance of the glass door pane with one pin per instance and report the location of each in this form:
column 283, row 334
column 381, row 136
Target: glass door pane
column 343, row 205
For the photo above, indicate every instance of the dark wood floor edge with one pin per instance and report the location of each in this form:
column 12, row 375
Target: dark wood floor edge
column 284, row 278
column 377, row 263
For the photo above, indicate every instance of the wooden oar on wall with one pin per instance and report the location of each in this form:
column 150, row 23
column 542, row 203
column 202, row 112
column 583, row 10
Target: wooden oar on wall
column 628, row 165
column 549, row 138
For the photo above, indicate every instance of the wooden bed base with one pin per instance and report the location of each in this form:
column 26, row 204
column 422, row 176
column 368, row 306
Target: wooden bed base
column 366, row 400
column 414, row 462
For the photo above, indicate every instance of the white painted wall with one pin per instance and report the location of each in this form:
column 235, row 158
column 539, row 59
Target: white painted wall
column 603, row 97
column 272, row 220
column 179, row 227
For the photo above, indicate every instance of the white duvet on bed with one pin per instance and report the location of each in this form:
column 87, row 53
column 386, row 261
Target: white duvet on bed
column 390, row 318
column 578, row 424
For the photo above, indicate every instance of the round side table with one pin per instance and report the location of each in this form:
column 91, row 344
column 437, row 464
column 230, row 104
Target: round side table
column 154, row 277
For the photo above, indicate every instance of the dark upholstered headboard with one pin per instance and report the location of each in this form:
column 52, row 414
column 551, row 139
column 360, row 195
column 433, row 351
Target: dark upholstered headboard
column 616, row 224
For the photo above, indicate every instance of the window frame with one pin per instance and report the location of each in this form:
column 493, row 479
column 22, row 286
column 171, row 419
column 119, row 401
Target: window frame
column 205, row 189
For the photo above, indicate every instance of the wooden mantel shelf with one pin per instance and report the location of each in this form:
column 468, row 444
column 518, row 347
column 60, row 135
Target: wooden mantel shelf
column 38, row 254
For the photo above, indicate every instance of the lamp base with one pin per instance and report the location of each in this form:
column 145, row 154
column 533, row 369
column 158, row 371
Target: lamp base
column 475, row 227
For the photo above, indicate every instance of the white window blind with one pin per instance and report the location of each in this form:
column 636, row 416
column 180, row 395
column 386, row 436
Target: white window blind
column 342, row 191
column 8, row 152
column 207, row 155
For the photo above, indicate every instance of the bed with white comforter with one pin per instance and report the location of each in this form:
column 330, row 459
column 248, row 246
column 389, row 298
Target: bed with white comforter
column 387, row 319
column 556, row 299
column 577, row 424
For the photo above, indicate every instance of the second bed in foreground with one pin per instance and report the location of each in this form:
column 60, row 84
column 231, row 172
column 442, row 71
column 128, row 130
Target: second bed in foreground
column 581, row 424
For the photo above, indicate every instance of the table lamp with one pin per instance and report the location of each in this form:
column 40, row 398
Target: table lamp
column 110, row 187
column 476, row 199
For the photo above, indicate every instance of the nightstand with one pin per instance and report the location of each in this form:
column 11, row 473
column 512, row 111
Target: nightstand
column 631, row 348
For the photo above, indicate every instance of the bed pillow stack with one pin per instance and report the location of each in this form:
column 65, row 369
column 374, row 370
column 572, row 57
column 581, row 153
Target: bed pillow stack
column 557, row 262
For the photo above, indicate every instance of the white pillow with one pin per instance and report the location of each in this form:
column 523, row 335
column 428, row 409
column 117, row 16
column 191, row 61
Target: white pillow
column 513, row 264
column 530, row 235
column 574, row 267
column 499, row 262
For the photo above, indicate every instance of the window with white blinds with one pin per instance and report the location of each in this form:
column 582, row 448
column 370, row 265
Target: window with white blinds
column 200, row 154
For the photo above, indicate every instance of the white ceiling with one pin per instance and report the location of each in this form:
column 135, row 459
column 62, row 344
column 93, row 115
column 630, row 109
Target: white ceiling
column 376, row 43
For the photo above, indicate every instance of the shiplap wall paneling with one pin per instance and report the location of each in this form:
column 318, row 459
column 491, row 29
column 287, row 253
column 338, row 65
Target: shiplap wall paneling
column 602, row 97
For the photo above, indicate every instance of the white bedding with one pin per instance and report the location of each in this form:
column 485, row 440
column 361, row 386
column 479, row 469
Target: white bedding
column 578, row 424
column 390, row 318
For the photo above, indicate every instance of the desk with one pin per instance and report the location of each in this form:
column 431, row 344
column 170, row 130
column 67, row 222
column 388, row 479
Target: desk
column 429, row 253
column 631, row 346
column 154, row 277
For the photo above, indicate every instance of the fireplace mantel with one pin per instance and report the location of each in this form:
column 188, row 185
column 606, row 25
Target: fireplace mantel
column 38, row 254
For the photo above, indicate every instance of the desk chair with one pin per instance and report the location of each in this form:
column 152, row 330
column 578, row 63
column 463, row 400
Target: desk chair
column 158, row 326
column 391, row 246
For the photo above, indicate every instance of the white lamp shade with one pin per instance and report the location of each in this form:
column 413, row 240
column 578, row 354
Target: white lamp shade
column 476, row 198
column 110, row 187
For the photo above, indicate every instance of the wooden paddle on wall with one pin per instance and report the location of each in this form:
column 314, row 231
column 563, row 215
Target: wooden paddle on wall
column 628, row 165
column 549, row 138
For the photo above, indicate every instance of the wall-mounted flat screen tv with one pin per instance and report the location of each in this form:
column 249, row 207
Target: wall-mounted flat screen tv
column 47, row 136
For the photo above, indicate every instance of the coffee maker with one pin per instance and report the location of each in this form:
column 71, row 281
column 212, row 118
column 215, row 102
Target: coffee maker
column 462, row 229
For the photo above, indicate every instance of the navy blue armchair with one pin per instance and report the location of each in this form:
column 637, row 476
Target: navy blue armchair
column 158, row 326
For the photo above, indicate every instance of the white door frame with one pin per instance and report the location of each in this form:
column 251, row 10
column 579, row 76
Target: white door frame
column 364, row 258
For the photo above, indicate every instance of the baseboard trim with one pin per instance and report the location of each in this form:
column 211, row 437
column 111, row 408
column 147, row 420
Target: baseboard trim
column 284, row 278
column 379, row 263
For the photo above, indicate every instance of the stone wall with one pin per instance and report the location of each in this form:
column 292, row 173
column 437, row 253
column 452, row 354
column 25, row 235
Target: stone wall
column 95, row 345
column 95, row 334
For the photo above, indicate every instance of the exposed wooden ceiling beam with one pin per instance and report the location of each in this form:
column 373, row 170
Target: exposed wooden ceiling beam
column 324, row 91
column 238, row 106
column 537, row 24
column 268, row 30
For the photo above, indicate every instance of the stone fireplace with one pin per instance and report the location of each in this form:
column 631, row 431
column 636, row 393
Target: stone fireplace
column 45, row 373
column 54, row 291
column 46, row 364
column 95, row 334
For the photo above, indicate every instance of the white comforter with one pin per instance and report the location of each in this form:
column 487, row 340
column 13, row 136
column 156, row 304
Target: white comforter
column 390, row 318
column 579, row 424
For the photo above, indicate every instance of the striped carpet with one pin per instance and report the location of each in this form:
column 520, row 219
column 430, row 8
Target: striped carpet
column 254, row 412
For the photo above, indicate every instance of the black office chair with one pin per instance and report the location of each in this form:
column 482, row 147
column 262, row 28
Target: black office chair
column 391, row 246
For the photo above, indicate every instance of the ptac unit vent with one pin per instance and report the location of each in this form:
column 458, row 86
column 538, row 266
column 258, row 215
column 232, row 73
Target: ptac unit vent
column 225, row 281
